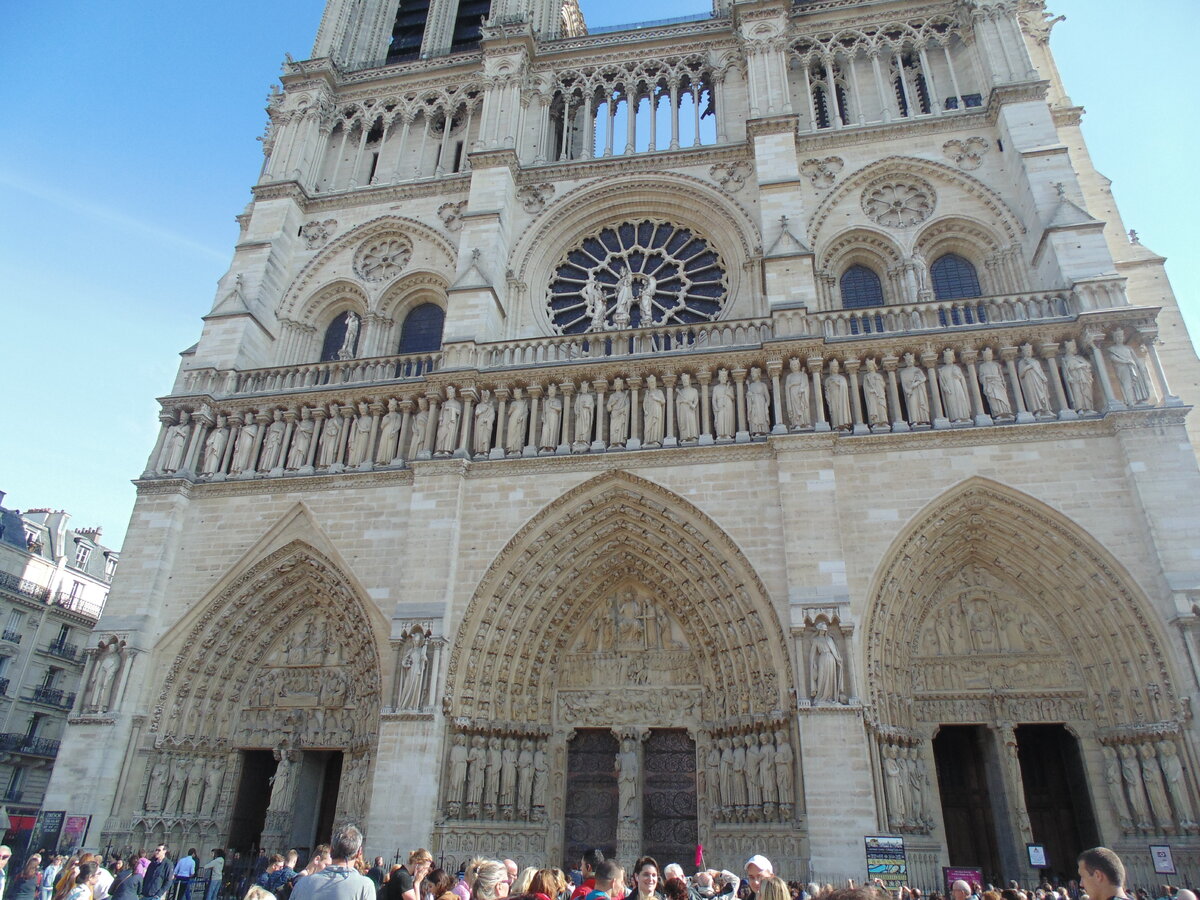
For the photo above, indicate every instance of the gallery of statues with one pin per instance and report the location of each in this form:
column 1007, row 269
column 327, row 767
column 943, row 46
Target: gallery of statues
column 756, row 430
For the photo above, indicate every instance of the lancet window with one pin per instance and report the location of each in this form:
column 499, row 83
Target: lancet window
column 882, row 73
column 954, row 278
column 620, row 110
column 422, row 329
column 861, row 288
column 408, row 31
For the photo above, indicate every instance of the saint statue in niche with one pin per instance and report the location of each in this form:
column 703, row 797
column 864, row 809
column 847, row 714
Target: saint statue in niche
column 412, row 671
column 824, row 667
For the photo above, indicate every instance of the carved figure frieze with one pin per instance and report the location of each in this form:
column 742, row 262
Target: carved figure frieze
column 495, row 777
column 750, row 776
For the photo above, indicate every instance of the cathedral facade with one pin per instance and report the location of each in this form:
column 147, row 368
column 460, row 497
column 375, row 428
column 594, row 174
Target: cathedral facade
column 755, row 431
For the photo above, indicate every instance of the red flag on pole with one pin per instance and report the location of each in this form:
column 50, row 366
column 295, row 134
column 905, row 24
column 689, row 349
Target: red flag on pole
column 699, row 856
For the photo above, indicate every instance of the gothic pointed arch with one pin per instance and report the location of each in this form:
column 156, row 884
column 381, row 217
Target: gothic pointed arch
column 547, row 588
column 991, row 606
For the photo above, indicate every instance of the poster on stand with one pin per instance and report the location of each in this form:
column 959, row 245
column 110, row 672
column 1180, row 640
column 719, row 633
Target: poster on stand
column 886, row 860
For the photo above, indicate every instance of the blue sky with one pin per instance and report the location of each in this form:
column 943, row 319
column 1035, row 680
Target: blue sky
column 130, row 143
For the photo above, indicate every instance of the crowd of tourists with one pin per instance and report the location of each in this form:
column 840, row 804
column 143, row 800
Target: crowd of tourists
column 339, row 871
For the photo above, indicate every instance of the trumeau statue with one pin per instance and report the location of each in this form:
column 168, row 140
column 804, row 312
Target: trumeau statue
column 837, row 398
column 955, row 397
column 1035, row 386
column 687, row 409
column 995, row 391
column 654, row 403
column 824, row 667
column 1131, row 372
column 795, row 387
column 916, row 394
column 758, row 404
column 485, row 420
column 724, row 408
column 585, row 416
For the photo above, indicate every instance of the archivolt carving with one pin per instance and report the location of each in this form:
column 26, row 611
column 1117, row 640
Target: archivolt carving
column 989, row 565
column 540, row 591
column 321, row 305
column 430, row 251
column 907, row 167
column 275, row 640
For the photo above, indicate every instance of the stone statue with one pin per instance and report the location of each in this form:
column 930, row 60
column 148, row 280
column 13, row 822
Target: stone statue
column 916, row 786
column 687, row 409
column 272, row 452
column 646, row 301
column 476, row 760
column 329, row 448
column 214, row 447
column 1035, row 386
column 795, row 387
column 618, row 414
column 157, row 785
column 1077, row 373
column 540, row 774
column 176, row 443
column 301, row 440
column 766, row 769
column 724, row 407
column 177, row 780
column 195, row 786
column 916, row 394
column 594, row 305
column 726, row 772
column 552, row 412
column 281, row 783
column 350, row 341
column 412, row 671
column 624, row 300
column 875, row 393
column 953, row 383
column 213, row 776
column 784, row 766
column 457, row 772
column 524, row 777
column 627, row 778
column 420, row 427
column 738, row 780
column 1172, row 769
column 754, row 798
column 585, row 416
column 518, row 422
column 991, row 380
column 837, row 398
column 1152, row 777
column 108, row 660
column 360, row 436
column 1131, row 371
column 491, row 771
column 1131, row 772
column 894, row 787
column 654, row 415
column 712, row 777
column 243, row 450
column 389, row 434
column 758, row 403
column 485, row 420
column 824, row 668
column 448, row 418
column 508, row 775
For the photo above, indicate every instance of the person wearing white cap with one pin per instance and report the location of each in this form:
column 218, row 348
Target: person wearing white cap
column 757, row 868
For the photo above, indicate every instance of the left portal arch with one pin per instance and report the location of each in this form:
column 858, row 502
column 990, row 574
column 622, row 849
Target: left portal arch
column 279, row 671
column 623, row 618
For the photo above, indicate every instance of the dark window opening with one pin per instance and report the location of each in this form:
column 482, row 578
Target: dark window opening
column 861, row 288
column 954, row 278
column 468, row 24
column 422, row 329
column 335, row 337
column 458, row 152
column 408, row 31
column 374, row 164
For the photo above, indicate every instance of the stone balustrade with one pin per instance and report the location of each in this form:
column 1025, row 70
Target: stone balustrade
column 697, row 396
column 319, row 374
column 943, row 315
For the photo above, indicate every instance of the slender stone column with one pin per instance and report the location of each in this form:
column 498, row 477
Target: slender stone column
column 669, row 439
column 1164, row 388
column 742, row 436
column 202, row 422
column 1049, row 352
column 166, row 419
column 497, row 451
column 600, row 444
column 816, row 366
column 929, row 360
column 969, row 357
column 1009, row 355
column 704, row 378
column 263, row 420
column 1093, row 339
column 860, row 427
column 567, row 389
column 318, row 426
column 774, row 367
column 532, row 435
column 406, row 421
column 289, row 428
column 635, row 413
column 235, row 426
column 468, row 420
column 889, row 365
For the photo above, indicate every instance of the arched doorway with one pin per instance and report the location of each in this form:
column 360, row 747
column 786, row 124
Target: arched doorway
column 265, row 727
column 622, row 647
column 1003, row 640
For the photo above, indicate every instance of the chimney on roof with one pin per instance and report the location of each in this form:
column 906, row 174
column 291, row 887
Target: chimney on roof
column 92, row 534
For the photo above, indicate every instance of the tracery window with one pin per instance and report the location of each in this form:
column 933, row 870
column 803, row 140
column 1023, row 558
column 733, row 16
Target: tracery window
column 861, row 288
column 422, row 329
column 636, row 274
column 954, row 278
column 341, row 338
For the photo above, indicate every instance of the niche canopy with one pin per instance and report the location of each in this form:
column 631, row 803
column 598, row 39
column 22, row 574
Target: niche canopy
column 637, row 274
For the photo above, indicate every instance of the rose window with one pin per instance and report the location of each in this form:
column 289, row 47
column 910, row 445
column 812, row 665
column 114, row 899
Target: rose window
column 634, row 275
column 382, row 258
column 899, row 202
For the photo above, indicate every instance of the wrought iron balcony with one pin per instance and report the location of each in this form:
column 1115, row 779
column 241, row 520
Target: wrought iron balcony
column 23, row 586
column 11, row 636
column 64, row 651
column 16, row 742
column 53, row 697
column 78, row 604
column 3, row 687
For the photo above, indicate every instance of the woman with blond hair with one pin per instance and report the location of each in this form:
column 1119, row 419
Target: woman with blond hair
column 491, row 881
column 521, row 885
column 774, row 888
column 83, row 882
